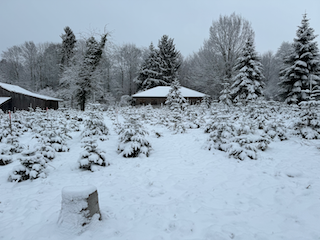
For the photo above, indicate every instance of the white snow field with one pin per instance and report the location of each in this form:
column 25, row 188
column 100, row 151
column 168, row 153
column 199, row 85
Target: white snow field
column 181, row 191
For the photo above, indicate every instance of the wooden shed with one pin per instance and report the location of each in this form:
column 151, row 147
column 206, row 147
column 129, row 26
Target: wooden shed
column 158, row 95
column 13, row 98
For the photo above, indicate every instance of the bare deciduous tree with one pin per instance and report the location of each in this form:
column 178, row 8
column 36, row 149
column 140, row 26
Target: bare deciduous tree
column 271, row 74
column 14, row 63
column 128, row 59
column 227, row 38
column 29, row 54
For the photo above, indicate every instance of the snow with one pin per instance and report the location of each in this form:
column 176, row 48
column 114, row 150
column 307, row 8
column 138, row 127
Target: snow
column 78, row 192
column 3, row 100
column 181, row 191
column 17, row 89
column 163, row 91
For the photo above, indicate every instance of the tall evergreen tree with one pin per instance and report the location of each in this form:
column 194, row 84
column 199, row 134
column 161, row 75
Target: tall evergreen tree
column 169, row 60
column 68, row 45
column 248, row 82
column 299, row 80
column 86, row 84
column 149, row 72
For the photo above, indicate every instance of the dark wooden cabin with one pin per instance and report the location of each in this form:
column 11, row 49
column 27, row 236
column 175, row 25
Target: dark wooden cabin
column 158, row 95
column 17, row 98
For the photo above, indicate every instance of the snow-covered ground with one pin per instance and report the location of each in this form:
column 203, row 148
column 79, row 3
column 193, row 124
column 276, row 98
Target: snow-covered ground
column 181, row 191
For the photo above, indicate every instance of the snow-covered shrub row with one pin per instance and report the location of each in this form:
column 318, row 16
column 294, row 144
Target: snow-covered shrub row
column 91, row 155
column 94, row 126
column 14, row 144
column 94, row 129
column 307, row 124
column 240, row 138
column 276, row 129
column 195, row 116
column 5, row 159
column 132, row 138
column 52, row 133
column 33, row 165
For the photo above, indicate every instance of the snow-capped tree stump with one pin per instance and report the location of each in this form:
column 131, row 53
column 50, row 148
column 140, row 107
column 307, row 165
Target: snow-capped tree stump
column 79, row 204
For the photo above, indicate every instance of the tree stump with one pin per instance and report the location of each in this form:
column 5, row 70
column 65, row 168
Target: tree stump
column 79, row 204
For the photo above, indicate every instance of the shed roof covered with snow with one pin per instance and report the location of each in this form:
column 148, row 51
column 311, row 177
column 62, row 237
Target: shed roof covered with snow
column 158, row 95
column 20, row 90
column 4, row 99
column 163, row 91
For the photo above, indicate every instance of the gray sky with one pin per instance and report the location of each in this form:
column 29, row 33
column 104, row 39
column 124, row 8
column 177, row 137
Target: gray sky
column 144, row 21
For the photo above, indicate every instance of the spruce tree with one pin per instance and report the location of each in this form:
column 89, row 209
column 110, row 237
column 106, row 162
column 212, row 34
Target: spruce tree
column 175, row 100
column 169, row 60
column 149, row 72
column 248, row 84
column 299, row 80
column 86, row 84
column 177, row 104
column 68, row 45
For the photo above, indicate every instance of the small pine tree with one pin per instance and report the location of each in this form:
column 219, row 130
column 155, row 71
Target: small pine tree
column 91, row 155
column 15, row 146
column 132, row 139
column 308, row 122
column 33, row 165
column 5, row 159
column 177, row 105
column 175, row 100
column 225, row 96
column 94, row 126
column 299, row 80
column 52, row 135
column 248, row 84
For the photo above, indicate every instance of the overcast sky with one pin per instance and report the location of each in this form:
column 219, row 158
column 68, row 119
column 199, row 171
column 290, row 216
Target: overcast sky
column 144, row 21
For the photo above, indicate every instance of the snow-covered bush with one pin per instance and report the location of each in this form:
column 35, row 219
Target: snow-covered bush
column 247, row 146
column 33, row 165
column 308, row 122
column 95, row 126
column 126, row 100
column 194, row 117
column 4, row 128
column 13, row 142
column 175, row 101
column 276, row 129
column 5, row 159
column 240, row 141
column 205, row 103
column 91, row 155
column 53, row 134
column 221, row 131
column 177, row 122
column 95, row 107
column 132, row 139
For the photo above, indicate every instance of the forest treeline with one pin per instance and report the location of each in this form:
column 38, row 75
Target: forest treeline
column 95, row 69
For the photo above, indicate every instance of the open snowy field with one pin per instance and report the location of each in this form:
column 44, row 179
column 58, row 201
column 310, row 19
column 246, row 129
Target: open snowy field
column 181, row 191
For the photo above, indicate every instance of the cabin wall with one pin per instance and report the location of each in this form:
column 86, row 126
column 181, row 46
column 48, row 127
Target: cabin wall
column 23, row 102
column 162, row 100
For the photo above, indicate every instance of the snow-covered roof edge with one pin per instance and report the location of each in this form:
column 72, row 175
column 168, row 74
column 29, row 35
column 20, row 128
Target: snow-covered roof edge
column 4, row 99
column 17, row 89
column 162, row 91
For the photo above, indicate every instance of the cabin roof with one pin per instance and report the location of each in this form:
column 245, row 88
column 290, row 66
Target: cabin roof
column 163, row 91
column 20, row 90
column 3, row 100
